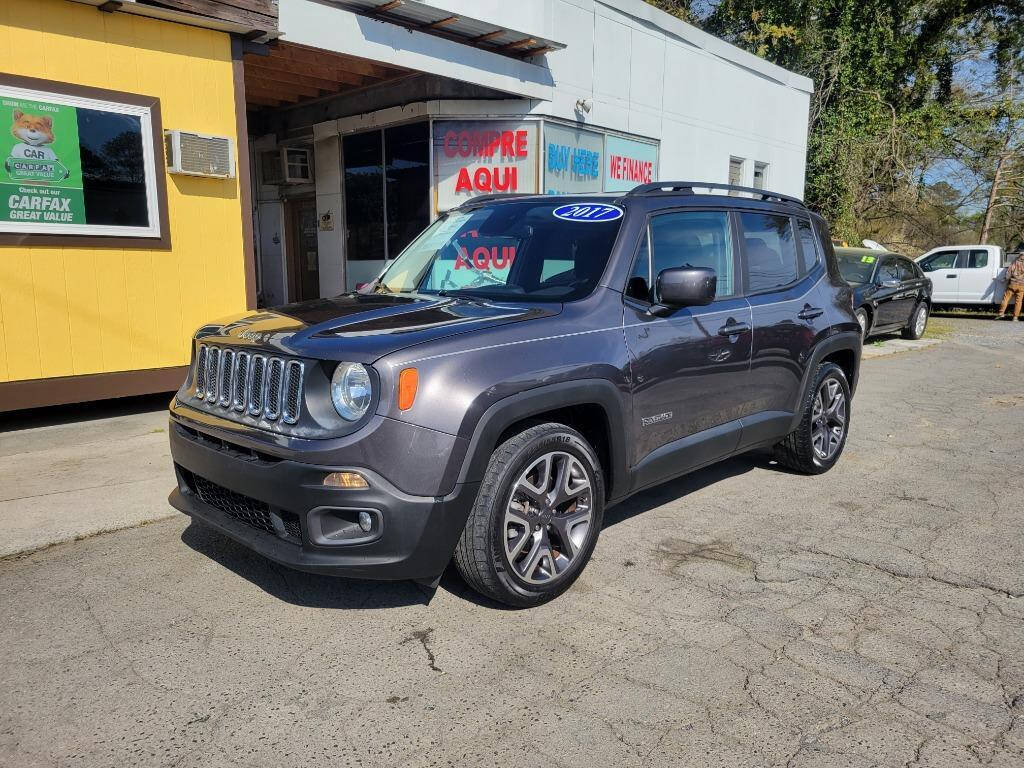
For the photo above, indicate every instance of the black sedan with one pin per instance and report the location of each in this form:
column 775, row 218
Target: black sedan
column 891, row 293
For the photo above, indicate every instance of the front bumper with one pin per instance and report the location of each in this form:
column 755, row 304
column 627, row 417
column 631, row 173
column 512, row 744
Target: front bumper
column 416, row 536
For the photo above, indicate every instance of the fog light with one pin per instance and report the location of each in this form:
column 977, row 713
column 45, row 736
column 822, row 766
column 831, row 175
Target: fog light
column 346, row 480
column 365, row 521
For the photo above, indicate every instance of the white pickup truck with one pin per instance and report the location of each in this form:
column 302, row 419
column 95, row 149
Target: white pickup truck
column 966, row 274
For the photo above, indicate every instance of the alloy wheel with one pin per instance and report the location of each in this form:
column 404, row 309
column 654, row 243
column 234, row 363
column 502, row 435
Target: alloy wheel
column 920, row 321
column 548, row 516
column 828, row 419
column 862, row 320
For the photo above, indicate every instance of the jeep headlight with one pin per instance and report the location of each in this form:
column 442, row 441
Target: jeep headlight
column 351, row 390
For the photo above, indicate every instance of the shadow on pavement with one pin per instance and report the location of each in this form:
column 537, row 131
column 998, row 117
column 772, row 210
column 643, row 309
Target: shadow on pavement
column 317, row 591
column 979, row 315
column 74, row 413
column 304, row 589
column 685, row 485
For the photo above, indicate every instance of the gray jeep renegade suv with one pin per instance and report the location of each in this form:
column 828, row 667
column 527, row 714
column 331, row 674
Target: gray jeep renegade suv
column 524, row 363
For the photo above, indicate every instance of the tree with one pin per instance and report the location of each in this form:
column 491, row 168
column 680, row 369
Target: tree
column 890, row 110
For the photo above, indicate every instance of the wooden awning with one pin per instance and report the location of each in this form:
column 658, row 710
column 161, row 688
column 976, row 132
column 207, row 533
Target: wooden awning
column 293, row 73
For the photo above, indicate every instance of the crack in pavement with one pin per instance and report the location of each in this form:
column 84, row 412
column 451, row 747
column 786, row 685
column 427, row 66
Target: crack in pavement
column 423, row 636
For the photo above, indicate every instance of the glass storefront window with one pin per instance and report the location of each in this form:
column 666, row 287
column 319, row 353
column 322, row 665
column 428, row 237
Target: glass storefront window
column 386, row 171
column 364, row 196
column 407, row 155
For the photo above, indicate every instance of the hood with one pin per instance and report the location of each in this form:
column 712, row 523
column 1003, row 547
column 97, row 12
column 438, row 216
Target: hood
column 364, row 327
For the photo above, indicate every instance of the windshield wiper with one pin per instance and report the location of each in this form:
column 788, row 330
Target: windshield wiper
column 458, row 294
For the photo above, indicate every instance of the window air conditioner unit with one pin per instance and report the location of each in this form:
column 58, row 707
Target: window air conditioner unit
column 197, row 154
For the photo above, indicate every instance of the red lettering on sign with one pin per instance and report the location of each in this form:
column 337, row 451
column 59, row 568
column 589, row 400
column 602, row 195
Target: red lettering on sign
column 510, row 182
column 485, row 258
column 631, row 169
column 485, row 179
column 486, row 143
column 508, row 255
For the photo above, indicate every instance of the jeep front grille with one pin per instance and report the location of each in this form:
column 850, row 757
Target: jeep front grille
column 263, row 386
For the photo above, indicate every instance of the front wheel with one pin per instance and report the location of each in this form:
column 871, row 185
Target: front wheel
column 918, row 322
column 816, row 444
column 536, row 518
column 862, row 321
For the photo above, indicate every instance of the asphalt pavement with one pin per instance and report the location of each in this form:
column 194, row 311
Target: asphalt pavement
column 741, row 616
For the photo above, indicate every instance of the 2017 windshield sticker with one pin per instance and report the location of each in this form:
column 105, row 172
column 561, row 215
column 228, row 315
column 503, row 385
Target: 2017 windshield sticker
column 867, row 259
column 587, row 212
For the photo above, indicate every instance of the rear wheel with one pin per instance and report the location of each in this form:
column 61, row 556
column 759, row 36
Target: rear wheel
column 918, row 322
column 816, row 444
column 536, row 518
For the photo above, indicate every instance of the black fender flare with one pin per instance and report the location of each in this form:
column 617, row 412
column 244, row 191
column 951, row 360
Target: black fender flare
column 531, row 402
column 843, row 341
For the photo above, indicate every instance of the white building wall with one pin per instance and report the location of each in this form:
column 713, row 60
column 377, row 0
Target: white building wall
column 674, row 83
column 637, row 69
column 642, row 71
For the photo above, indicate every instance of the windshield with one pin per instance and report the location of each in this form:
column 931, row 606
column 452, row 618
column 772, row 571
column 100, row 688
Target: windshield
column 518, row 251
column 856, row 267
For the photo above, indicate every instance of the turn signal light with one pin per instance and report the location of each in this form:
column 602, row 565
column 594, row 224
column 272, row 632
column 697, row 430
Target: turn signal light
column 408, row 381
column 345, row 480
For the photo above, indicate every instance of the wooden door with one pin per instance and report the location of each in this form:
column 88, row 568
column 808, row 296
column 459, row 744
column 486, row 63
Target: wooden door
column 303, row 255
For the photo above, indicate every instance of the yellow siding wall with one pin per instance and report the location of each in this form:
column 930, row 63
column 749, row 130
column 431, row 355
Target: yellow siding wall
column 72, row 311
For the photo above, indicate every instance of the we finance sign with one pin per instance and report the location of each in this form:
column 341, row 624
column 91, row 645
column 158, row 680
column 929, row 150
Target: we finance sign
column 628, row 163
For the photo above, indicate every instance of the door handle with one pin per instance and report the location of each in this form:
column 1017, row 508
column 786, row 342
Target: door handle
column 809, row 313
column 733, row 329
column 951, row 277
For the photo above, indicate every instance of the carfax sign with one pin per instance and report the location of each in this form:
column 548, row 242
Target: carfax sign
column 41, row 177
column 71, row 164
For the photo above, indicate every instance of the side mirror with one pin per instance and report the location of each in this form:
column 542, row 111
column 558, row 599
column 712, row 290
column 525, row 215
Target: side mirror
column 890, row 283
column 685, row 287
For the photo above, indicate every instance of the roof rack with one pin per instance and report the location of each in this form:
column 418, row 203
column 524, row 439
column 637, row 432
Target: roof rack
column 686, row 188
column 494, row 196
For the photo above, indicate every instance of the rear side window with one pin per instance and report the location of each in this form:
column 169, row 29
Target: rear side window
column 977, row 259
column 906, row 270
column 808, row 245
column 770, row 249
column 684, row 239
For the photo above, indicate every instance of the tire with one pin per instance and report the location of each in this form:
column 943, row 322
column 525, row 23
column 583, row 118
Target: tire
column 918, row 322
column 798, row 450
column 527, row 577
column 865, row 322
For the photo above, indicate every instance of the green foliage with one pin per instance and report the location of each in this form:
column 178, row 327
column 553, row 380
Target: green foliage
column 898, row 102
